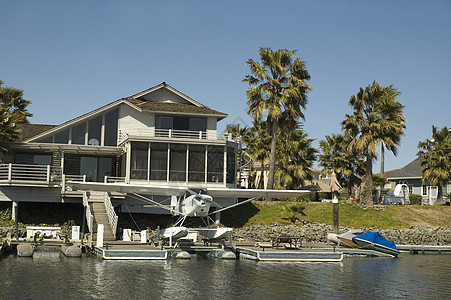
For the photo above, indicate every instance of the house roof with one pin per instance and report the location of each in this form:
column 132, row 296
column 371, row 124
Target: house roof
column 138, row 101
column 388, row 174
column 412, row 170
column 168, row 107
column 28, row 130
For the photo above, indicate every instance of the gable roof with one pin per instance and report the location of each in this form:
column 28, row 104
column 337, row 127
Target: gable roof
column 142, row 95
column 412, row 170
column 139, row 102
column 167, row 107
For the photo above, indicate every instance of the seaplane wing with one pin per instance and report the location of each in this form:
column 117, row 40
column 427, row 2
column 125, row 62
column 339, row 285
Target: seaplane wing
column 254, row 193
column 167, row 190
column 128, row 188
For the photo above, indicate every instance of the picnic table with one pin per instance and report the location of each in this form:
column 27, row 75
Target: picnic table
column 286, row 241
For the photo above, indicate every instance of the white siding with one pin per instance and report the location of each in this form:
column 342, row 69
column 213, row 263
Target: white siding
column 211, row 128
column 131, row 120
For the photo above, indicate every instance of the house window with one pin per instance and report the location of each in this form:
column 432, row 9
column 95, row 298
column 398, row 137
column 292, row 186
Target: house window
column 94, row 131
column 110, row 134
column 215, row 164
column 425, row 189
column 177, row 163
column 88, row 167
column 181, row 126
column 158, row 161
column 139, row 161
column 78, row 134
column 62, row 137
column 33, row 159
column 196, row 163
column 197, row 124
column 46, row 140
column 410, row 188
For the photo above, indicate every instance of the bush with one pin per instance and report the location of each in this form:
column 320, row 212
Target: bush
column 415, row 199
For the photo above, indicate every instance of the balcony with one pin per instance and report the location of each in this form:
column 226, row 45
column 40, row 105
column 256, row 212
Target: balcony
column 175, row 134
column 30, row 175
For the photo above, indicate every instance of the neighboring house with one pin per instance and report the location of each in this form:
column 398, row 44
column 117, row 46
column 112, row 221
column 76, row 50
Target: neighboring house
column 411, row 175
column 159, row 136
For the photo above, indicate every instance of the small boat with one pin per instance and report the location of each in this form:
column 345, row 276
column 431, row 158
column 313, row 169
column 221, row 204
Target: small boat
column 374, row 241
column 175, row 233
column 346, row 238
column 215, row 233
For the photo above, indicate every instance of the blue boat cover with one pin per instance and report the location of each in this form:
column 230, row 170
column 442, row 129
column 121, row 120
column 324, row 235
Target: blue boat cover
column 376, row 238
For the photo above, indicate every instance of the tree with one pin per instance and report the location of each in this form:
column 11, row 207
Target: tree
column 277, row 89
column 295, row 158
column 377, row 118
column 13, row 110
column 255, row 145
column 435, row 156
column 334, row 156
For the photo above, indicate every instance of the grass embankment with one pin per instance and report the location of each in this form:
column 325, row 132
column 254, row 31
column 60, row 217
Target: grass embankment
column 284, row 213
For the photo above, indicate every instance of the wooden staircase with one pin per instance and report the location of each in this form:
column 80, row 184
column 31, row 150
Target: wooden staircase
column 98, row 210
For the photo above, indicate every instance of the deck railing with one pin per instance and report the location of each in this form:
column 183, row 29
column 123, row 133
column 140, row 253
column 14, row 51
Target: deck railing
column 20, row 173
column 172, row 133
column 89, row 216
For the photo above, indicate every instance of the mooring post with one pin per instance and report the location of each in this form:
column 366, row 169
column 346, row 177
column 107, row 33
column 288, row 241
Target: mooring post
column 14, row 217
column 335, row 214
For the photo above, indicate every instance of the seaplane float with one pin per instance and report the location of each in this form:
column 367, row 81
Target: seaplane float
column 189, row 202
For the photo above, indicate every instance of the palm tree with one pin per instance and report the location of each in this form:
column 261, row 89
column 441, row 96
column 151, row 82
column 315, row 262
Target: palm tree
column 13, row 110
column 295, row 158
column 334, row 156
column 377, row 118
column 277, row 87
column 435, row 156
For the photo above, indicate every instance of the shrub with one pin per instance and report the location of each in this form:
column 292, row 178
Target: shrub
column 415, row 199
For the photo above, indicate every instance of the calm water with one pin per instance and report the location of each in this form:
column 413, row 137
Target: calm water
column 50, row 275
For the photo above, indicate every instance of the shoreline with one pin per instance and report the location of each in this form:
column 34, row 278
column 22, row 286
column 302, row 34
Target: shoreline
column 317, row 233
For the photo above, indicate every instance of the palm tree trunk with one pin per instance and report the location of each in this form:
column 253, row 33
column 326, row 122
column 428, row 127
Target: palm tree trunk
column 368, row 197
column 272, row 155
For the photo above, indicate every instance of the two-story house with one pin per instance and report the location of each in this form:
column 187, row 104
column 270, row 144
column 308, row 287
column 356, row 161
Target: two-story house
column 159, row 136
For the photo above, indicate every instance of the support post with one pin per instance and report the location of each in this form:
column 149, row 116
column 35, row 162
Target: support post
column 83, row 227
column 335, row 214
column 100, row 230
column 14, row 214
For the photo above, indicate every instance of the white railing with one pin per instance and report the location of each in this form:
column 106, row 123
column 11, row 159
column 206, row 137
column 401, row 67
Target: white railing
column 66, row 178
column 112, row 217
column 89, row 216
column 172, row 133
column 113, row 179
column 43, row 174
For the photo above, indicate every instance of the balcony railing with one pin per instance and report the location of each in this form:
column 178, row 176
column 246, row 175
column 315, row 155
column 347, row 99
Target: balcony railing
column 20, row 173
column 172, row 133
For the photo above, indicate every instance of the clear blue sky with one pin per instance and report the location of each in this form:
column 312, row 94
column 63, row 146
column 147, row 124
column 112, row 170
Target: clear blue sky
column 71, row 57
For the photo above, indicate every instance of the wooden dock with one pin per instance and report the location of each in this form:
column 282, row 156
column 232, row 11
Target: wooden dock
column 424, row 249
column 120, row 250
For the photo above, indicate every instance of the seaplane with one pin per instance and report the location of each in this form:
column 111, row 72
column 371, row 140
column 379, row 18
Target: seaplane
column 189, row 202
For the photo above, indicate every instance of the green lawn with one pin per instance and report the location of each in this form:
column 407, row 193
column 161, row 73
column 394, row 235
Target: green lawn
column 349, row 215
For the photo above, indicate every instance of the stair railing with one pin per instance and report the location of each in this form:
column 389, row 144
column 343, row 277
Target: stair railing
column 89, row 216
column 112, row 217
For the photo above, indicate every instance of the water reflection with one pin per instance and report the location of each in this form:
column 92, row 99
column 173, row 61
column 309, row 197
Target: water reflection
column 50, row 275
